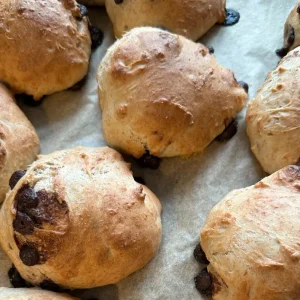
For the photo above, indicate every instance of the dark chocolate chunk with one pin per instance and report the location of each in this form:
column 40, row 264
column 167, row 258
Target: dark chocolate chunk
column 28, row 100
column 29, row 255
column 211, row 50
column 77, row 86
column 140, row 180
column 229, row 132
column 244, row 85
column 298, row 8
column 282, row 52
column 149, row 161
column 26, row 198
column 96, row 36
column 16, row 279
column 23, row 224
column 291, row 38
column 50, row 286
column 15, row 177
column 83, row 10
column 119, row 1
column 200, row 256
column 232, row 17
column 204, row 282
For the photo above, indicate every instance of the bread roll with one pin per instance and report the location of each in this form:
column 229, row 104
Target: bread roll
column 79, row 220
column 273, row 116
column 251, row 239
column 92, row 2
column 190, row 18
column 165, row 94
column 19, row 143
column 31, row 294
column 45, row 45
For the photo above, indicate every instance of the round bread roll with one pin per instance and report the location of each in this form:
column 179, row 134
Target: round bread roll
column 251, row 239
column 165, row 94
column 92, row 2
column 31, row 294
column 273, row 117
column 190, row 18
column 45, row 45
column 291, row 31
column 19, row 143
column 78, row 219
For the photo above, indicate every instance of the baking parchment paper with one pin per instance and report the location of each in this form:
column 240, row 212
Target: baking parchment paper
column 188, row 189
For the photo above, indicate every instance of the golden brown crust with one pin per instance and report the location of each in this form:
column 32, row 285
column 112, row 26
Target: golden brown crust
column 163, row 93
column 92, row 2
column 190, row 18
column 273, row 116
column 31, row 294
column 19, row 143
column 102, row 227
column 251, row 239
column 44, row 46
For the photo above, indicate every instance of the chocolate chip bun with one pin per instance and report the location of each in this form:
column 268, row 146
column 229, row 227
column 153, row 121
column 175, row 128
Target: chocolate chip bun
column 92, row 2
column 45, row 46
column 273, row 116
column 79, row 220
column 31, row 294
column 251, row 239
column 19, row 143
column 291, row 31
column 190, row 18
column 165, row 94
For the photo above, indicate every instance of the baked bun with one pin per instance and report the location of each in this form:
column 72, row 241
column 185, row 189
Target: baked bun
column 273, row 116
column 31, row 294
column 190, row 18
column 291, row 31
column 45, row 46
column 165, row 94
column 78, row 219
column 19, row 143
column 251, row 239
column 92, row 2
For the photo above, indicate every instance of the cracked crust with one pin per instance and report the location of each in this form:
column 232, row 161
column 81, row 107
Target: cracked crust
column 19, row 143
column 31, row 294
column 251, row 239
column 107, row 225
column 273, row 116
column 44, row 45
column 190, row 18
column 163, row 93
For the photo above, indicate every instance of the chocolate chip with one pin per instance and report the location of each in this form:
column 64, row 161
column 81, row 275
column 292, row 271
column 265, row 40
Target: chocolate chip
column 50, row 286
column 149, row 161
column 96, row 36
column 244, row 85
column 211, row 50
column 28, row 100
column 282, row 52
column 200, row 256
column 77, row 86
column 298, row 8
column 204, row 282
column 229, row 132
column 140, row 180
column 25, row 198
column 29, row 255
column 119, row 1
column 291, row 38
column 23, row 224
column 83, row 10
column 15, row 177
column 15, row 278
column 232, row 17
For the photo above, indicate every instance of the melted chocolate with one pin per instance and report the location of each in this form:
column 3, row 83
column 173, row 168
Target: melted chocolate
column 232, row 17
column 29, row 255
column 204, row 282
column 96, row 36
column 119, row 1
column 23, row 224
column 15, row 177
column 290, row 42
column 244, row 85
column 149, row 161
column 16, row 280
column 229, row 132
column 211, row 50
column 200, row 255
column 25, row 199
